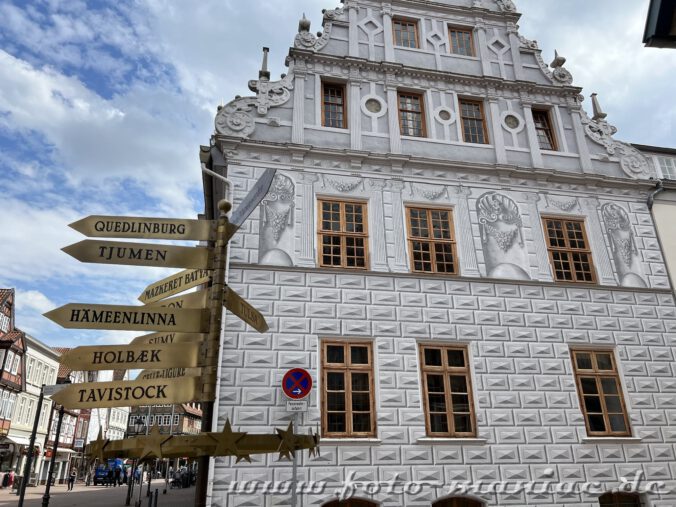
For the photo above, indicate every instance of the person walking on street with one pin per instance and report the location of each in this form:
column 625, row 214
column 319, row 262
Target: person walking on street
column 71, row 480
column 117, row 479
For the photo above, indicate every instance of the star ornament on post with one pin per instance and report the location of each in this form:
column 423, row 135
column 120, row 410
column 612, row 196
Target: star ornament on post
column 226, row 441
column 287, row 446
column 313, row 450
column 152, row 444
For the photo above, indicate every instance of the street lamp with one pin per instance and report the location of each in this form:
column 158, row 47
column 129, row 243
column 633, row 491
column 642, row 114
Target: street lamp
column 45, row 497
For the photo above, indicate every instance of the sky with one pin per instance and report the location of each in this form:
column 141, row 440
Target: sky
column 103, row 106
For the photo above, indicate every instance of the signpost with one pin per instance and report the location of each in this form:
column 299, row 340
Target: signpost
column 97, row 226
column 139, row 254
column 233, row 302
column 253, row 198
column 169, row 338
column 171, row 373
column 131, row 357
column 129, row 318
column 191, row 300
column 174, row 284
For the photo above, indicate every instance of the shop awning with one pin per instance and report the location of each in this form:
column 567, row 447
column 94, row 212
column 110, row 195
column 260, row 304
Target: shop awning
column 18, row 440
column 65, row 451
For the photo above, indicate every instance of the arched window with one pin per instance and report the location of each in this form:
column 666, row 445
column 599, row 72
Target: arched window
column 620, row 500
column 457, row 502
column 352, row 502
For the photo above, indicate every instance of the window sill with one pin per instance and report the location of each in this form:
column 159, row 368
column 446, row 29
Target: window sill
column 612, row 440
column 451, row 441
column 349, row 441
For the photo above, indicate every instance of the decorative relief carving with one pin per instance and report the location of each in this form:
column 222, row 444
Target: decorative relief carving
column 276, row 219
column 342, row 185
column 431, row 193
column 306, row 40
column 633, row 162
column 237, row 117
column 500, row 223
column 506, row 5
column 568, row 205
column 622, row 244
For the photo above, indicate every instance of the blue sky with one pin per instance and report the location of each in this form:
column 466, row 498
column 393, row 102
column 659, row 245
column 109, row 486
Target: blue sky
column 103, row 106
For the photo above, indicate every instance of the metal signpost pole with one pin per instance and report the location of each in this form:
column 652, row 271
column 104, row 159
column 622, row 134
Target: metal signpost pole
column 294, row 484
column 216, row 308
column 31, row 448
column 45, row 497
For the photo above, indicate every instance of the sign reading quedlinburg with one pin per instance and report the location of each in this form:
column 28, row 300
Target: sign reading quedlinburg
column 174, row 284
column 131, row 357
column 129, row 394
column 130, row 318
column 154, row 338
column 97, row 226
column 139, row 254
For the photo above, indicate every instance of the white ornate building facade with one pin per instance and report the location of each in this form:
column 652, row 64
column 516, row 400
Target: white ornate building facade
column 464, row 260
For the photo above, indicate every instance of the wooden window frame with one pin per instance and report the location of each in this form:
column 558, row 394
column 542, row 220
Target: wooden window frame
column 343, row 87
column 480, row 103
column 598, row 374
column 463, row 29
column 416, row 30
column 620, row 499
column 445, row 371
column 569, row 250
column 342, row 233
column 347, row 368
column 550, row 132
column 457, row 502
column 410, row 239
column 423, row 113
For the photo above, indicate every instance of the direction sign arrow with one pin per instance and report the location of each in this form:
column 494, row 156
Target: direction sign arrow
column 174, row 284
column 169, row 338
column 191, row 300
column 253, row 198
column 167, row 373
column 244, row 310
column 130, row 357
column 130, row 318
column 139, row 254
column 98, row 226
column 129, row 394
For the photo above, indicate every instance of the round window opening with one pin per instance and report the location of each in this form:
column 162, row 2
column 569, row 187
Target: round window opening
column 512, row 121
column 445, row 114
column 373, row 106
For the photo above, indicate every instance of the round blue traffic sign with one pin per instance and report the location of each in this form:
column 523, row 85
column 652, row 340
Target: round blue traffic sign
column 297, row 383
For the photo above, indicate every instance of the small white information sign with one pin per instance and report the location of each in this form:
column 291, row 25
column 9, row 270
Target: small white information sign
column 296, row 406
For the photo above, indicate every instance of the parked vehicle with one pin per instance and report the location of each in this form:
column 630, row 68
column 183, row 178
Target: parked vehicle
column 101, row 473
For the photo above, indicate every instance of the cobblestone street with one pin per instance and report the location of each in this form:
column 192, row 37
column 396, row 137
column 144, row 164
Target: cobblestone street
column 98, row 496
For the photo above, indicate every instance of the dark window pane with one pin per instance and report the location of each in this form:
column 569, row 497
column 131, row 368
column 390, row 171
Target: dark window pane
column 359, row 355
column 335, row 381
column 584, row 361
column 336, row 422
column 360, row 382
column 456, row 358
column 439, row 423
column 613, row 405
column 596, row 423
column 593, row 404
column 361, row 402
column 432, row 357
column 609, row 385
column 604, row 361
column 588, row 385
column 458, row 384
column 335, row 402
column 437, row 402
column 460, row 403
column 335, row 354
column 463, row 423
column 361, row 423
column 435, row 383
column 617, row 423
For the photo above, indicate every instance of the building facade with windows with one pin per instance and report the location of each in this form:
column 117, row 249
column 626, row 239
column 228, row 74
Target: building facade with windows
column 179, row 419
column 464, row 259
column 42, row 364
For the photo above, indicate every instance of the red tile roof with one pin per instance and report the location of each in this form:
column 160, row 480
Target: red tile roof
column 12, row 336
column 64, row 371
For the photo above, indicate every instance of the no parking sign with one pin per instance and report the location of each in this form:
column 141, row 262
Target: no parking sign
column 297, row 383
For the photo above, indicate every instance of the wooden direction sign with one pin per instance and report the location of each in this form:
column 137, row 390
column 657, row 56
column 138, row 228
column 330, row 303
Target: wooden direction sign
column 171, row 373
column 244, row 310
column 130, row 394
column 174, row 284
column 130, row 318
column 191, row 300
column 131, row 357
column 154, row 338
column 253, row 198
column 98, row 226
column 139, row 254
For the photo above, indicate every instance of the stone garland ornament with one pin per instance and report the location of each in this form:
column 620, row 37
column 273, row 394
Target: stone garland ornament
column 562, row 205
column 237, row 118
column 306, row 40
column 276, row 217
column 430, row 193
column 500, row 226
column 344, row 186
column 622, row 244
